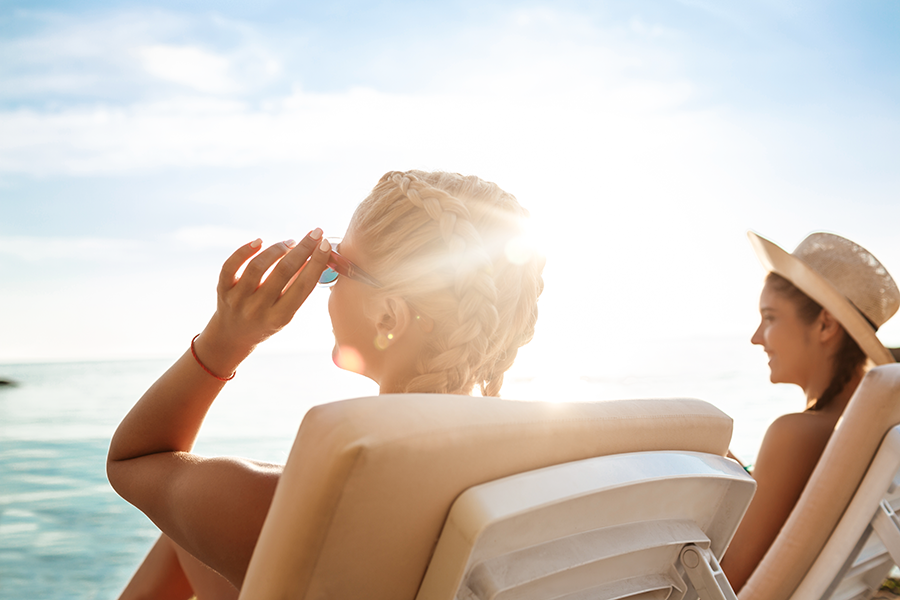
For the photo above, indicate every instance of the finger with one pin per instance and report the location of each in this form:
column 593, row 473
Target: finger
column 228, row 274
column 288, row 267
column 308, row 277
column 253, row 273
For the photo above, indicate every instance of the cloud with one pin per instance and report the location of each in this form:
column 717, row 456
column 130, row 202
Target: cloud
column 120, row 57
column 310, row 127
column 211, row 236
column 189, row 66
column 547, row 91
column 32, row 249
column 548, row 72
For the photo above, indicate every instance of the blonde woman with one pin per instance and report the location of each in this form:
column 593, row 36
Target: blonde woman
column 433, row 291
column 820, row 308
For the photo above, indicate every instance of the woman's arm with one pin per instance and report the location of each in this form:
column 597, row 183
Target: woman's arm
column 170, row 573
column 735, row 458
column 789, row 453
column 212, row 507
column 160, row 576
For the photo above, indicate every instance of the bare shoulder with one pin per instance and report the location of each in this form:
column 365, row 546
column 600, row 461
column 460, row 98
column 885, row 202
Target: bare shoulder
column 798, row 431
column 789, row 452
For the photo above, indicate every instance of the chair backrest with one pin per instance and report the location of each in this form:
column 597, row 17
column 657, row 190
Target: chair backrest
column 865, row 544
column 642, row 524
column 872, row 411
column 369, row 482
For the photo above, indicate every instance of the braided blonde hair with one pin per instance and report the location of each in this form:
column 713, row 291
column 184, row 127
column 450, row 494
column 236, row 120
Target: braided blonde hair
column 450, row 245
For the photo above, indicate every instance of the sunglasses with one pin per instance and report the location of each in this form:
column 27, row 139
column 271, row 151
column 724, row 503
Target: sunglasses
column 338, row 265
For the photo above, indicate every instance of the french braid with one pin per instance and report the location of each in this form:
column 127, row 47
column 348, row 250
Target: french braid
column 438, row 240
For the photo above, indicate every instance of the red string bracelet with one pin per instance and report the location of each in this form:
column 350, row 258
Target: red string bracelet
column 202, row 366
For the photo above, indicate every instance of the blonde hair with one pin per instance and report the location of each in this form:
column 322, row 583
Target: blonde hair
column 452, row 246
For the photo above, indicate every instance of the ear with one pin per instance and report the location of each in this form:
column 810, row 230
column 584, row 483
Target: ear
column 394, row 317
column 829, row 328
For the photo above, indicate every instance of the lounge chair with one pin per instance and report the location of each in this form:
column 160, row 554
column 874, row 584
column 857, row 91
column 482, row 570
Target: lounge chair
column 842, row 538
column 620, row 499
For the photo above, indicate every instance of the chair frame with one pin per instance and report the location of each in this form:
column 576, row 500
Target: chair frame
column 602, row 528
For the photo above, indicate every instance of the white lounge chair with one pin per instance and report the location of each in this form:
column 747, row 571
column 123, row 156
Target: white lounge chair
column 842, row 538
column 615, row 526
column 370, row 483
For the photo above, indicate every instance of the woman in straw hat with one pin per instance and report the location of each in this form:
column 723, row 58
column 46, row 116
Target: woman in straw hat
column 434, row 290
column 820, row 308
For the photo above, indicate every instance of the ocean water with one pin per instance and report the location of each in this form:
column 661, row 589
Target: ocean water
column 64, row 533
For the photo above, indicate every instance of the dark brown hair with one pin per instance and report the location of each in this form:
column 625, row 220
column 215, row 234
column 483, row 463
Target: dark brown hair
column 848, row 358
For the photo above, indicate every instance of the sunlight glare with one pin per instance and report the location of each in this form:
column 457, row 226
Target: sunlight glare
column 521, row 248
column 518, row 250
column 349, row 359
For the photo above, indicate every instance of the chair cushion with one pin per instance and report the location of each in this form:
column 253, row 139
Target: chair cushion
column 370, row 481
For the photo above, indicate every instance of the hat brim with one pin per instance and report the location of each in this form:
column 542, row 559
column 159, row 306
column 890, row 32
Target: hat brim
column 776, row 260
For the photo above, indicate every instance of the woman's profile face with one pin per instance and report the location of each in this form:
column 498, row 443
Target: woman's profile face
column 787, row 340
column 352, row 317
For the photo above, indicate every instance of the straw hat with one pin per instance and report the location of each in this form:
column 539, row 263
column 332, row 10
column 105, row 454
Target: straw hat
column 844, row 278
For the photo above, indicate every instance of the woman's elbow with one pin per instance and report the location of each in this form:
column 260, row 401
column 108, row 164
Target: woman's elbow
column 114, row 474
column 118, row 472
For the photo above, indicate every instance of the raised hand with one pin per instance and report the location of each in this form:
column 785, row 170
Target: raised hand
column 250, row 308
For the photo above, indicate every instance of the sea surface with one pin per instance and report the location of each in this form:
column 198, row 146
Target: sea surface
column 64, row 533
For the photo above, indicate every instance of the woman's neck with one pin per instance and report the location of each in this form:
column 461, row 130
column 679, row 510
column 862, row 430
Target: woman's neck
column 394, row 379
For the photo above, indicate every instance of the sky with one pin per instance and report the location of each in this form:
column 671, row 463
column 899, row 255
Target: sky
column 140, row 145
